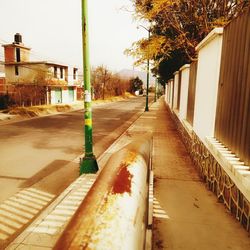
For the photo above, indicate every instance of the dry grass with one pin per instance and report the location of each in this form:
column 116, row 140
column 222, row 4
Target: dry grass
column 114, row 98
column 51, row 109
column 39, row 110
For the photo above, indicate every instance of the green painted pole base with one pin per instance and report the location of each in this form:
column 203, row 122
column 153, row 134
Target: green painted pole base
column 88, row 165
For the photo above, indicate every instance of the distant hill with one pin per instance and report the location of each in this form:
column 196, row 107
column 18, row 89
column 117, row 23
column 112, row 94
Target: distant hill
column 127, row 73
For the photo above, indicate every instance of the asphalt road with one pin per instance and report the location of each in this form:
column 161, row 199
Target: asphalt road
column 32, row 150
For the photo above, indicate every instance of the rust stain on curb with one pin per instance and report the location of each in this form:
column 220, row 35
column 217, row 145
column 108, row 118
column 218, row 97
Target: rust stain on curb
column 122, row 183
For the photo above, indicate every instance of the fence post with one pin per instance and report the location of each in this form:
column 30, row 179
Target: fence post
column 209, row 57
column 184, row 91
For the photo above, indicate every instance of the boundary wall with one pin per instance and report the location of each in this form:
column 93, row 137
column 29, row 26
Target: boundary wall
column 224, row 173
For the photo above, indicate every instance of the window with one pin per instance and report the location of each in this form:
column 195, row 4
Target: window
column 74, row 73
column 16, row 70
column 18, row 55
column 55, row 72
column 61, row 73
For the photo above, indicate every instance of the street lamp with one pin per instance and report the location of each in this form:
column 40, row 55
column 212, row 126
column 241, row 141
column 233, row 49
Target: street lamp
column 146, row 107
column 88, row 163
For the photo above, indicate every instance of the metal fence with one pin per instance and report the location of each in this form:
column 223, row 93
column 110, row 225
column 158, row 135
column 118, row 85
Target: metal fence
column 191, row 92
column 232, row 125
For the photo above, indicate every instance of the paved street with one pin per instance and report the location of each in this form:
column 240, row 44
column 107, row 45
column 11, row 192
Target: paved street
column 34, row 150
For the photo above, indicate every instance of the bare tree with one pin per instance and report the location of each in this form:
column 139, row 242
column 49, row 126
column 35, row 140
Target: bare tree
column 107, row 84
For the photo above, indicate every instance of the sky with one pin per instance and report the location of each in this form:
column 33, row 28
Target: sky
column 52, row 28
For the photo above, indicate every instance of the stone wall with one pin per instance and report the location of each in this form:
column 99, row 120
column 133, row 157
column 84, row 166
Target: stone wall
column 214, row 176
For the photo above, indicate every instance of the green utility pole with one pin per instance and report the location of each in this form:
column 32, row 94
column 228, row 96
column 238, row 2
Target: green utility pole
column 88, row 163
column 146, row 107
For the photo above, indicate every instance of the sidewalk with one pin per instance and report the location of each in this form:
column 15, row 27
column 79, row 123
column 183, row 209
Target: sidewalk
column 186, row 214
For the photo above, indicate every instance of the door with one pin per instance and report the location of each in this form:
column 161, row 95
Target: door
column 71, row 94
column 58, row 95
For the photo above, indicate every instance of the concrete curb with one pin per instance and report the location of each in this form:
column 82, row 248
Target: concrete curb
column 116, row 204
column 149, row 232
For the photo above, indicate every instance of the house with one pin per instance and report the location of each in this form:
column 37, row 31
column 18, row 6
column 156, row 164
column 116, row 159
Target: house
column 37, row 82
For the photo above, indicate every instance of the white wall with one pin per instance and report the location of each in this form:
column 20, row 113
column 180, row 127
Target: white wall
column 209, row 57
column 171, row 84
column 176, row 86
column 167, row 88
column 184, row 90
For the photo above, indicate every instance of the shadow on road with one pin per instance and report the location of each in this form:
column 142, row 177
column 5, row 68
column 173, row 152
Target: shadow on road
column 46, row 171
